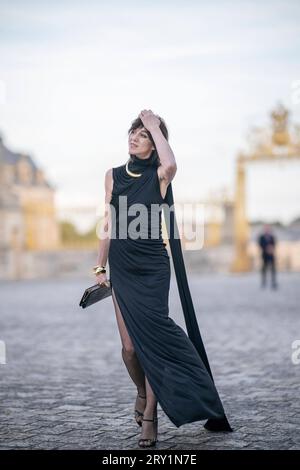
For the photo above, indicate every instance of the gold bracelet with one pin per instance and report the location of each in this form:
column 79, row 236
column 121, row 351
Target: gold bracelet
column 99, row 269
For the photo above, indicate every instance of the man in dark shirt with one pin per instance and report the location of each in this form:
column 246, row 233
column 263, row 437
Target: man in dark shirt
column 267, row 243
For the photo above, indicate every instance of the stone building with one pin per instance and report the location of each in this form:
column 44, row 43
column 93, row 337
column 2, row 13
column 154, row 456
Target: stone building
column 28, row 222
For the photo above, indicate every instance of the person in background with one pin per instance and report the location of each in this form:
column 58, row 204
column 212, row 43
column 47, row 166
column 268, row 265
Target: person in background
column 267, row 244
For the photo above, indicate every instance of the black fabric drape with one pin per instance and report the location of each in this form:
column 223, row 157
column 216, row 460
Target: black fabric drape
column 186, row 299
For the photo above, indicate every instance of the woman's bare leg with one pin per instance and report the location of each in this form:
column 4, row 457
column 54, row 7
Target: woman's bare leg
column 151, row 407
column 149, row 429
column 129, row 356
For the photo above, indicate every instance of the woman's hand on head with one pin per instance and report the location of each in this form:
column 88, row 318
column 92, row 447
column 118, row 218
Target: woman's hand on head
column 149, row 119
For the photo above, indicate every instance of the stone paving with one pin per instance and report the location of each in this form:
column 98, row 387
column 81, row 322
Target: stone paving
column 65, row 386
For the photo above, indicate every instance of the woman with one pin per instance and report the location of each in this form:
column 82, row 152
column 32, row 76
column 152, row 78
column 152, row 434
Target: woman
column 166, row 365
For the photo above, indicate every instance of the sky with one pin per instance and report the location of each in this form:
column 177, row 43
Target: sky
column 74, row 75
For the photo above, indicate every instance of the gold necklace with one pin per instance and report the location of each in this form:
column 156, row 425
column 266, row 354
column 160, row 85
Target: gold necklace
column 136, row 175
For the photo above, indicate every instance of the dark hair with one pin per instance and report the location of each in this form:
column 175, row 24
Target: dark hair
column 138, row 123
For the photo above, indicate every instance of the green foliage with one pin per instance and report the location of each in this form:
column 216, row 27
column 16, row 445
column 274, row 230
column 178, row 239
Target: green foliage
column 71, row 237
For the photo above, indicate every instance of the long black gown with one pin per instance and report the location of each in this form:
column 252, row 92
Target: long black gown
column 174, row 363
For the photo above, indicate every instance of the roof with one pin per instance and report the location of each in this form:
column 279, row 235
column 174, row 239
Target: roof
column 12, row 158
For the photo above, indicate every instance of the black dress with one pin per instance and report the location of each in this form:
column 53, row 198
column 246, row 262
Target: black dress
column 174, row 363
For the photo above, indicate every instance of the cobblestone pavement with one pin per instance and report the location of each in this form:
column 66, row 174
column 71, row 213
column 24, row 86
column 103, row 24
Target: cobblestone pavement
column 64, row 384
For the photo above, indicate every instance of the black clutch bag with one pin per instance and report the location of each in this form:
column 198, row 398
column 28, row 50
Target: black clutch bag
column 95, row 293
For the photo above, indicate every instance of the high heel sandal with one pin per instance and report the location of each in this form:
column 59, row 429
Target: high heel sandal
column 152, row 442
column 139, row 414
